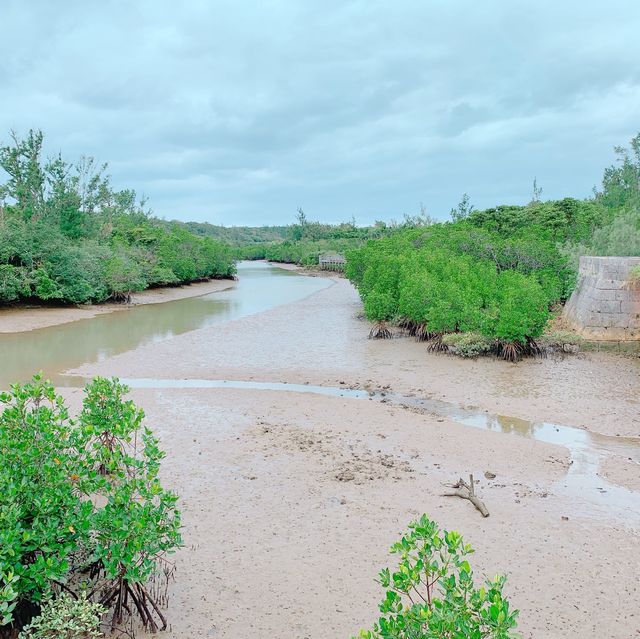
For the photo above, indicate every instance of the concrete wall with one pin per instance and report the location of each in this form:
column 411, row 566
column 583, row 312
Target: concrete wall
column 606, row 302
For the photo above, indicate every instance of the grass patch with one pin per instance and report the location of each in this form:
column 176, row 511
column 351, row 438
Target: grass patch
column 467, row 344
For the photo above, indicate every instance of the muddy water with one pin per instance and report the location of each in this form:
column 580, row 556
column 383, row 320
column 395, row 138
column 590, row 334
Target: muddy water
column 55, row 349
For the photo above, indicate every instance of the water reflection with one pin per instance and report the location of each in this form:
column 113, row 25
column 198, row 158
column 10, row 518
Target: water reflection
column 58, row 348
column 587, row 449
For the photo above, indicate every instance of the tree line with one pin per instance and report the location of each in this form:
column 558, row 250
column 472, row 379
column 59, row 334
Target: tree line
column 67, row 235
column 496, row 274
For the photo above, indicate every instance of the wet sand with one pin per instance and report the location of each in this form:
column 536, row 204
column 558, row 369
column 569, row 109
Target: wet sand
column 291, row 501
column 27, row 318
column 320, row 340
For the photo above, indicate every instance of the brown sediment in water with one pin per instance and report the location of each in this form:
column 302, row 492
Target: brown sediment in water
column 291, row 501
column 17, row 319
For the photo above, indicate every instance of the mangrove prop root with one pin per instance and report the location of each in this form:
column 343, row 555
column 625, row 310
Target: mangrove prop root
column 380, row 331
column 140, row 608
column 436, row 345
column 533, row 348
column 119, row 597
column 155, row 606
column 514, row 351
column 109, row 597
column 423, row 334
column 510, row 352
column 408, row 325
column 467, row 491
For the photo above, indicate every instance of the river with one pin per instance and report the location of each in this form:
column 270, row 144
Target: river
column 54, row 349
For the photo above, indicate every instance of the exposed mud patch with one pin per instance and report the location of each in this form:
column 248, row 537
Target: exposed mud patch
column 341, row 461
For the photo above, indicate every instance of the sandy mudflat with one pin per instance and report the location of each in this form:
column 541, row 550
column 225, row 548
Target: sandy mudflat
column 319, row 340
column 28, row 318
column 291, row 501
column 307, row 270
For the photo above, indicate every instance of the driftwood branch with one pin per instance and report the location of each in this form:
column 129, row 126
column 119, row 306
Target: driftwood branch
column 467, row 491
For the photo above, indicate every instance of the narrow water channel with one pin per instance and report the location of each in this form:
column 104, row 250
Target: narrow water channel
column 587, row 449
column 54, row 349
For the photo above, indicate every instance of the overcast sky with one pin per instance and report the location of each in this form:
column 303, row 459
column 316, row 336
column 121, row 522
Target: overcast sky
column 239, row 112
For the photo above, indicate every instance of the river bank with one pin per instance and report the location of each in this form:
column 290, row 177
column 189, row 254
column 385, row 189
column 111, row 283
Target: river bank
column 321, row 340
column 310, row 271
column 291, row 501
column 17, row 319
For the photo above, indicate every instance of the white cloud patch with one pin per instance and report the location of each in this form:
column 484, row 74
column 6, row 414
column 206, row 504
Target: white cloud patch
column 238, row 112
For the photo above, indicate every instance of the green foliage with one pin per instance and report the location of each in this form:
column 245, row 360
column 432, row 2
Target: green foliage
column 67, row 235
column 520, row 309
column 621, row 182
column 123, row 274
column 139, row 520
column 621, row 237
column 450, row 278
column 65, row 617
column 381, row 289
column 618, row 231
column 470, row 344
column 79, row 497
column 26, row 184
column 496, row 272
column 453, row 290
column 432, row 594
column 238, row 236
column 77, row 271
column 555, row 220
column 305, row 241
column 463, row 210
column 304, row 252
column 253, row 242
column 14, row 282
column 39, row 511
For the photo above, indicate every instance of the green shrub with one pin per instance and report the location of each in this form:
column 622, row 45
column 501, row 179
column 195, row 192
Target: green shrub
column 70, row 236
column 79, row 499
column 519, row 311
column 123, row 275
column 432, row 594
column 621, row 181
column 467, row 344
column 78, row 271
column 620, row 238
column 66, row 618
column 380, row 289
column 14, row 283
column 439, row 281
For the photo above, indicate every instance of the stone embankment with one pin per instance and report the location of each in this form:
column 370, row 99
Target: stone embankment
column 606, row 302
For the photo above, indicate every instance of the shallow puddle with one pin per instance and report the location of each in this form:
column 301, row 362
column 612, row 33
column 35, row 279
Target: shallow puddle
column 587, row 449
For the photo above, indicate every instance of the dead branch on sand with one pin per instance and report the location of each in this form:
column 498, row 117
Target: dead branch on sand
column 467, row 491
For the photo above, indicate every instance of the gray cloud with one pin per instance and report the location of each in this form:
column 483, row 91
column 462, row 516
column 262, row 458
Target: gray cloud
column 238, row 112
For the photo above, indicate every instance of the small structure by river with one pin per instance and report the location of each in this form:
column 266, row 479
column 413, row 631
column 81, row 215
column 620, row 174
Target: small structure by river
column 332, row 262
column 605, row 304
